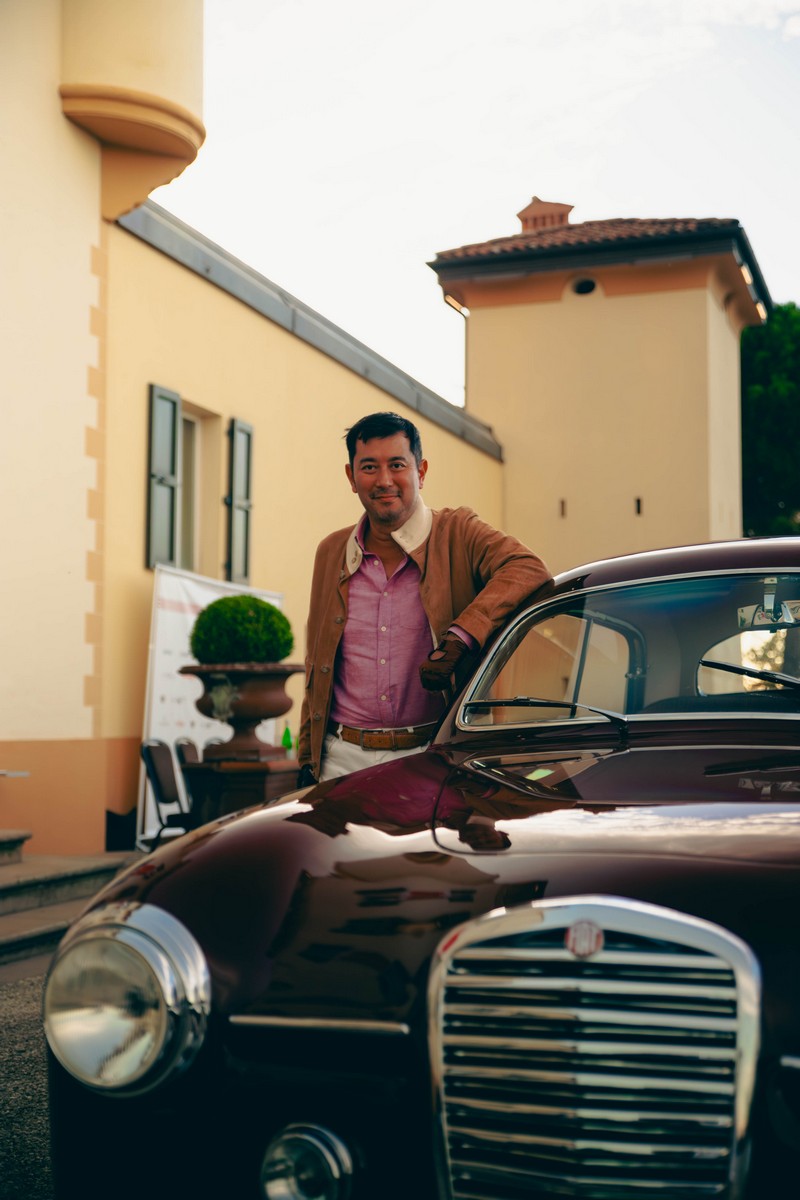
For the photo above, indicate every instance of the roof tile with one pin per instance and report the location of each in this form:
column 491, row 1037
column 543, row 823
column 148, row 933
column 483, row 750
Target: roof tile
column 588, row 234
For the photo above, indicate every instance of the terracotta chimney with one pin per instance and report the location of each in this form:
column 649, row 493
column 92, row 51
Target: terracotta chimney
column 544, row 214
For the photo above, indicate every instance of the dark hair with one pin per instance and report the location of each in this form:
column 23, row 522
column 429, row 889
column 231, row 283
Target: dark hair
column 383, row 425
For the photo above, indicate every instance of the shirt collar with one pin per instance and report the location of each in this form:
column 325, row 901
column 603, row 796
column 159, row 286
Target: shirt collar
column 416, row 529
column 409, row 536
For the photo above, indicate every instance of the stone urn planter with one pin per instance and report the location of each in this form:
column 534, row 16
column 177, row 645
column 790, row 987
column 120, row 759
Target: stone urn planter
column 239, row 643
column 243, row 695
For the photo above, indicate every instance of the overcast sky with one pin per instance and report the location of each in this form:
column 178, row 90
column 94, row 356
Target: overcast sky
column 350, row 140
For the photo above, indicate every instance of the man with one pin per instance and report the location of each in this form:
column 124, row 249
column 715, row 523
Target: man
column 399, row 606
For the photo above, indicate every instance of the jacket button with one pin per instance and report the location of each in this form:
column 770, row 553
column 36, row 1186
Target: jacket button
column 325, row 670
column 317, row 716
column 339, row 620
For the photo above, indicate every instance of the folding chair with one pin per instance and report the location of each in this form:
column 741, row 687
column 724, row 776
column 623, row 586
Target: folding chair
column 170, row 810
column 186, row 751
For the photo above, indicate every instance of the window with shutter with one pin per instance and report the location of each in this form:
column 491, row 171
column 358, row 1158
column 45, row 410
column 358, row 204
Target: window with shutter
column 239, row 501
column 163, row 517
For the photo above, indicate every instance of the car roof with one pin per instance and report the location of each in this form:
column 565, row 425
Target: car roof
column 746, row 554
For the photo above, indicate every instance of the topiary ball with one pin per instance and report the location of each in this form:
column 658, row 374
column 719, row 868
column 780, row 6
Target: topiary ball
column 238, row 629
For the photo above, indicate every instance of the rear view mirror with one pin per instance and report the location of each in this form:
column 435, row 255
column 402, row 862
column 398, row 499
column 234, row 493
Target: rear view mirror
column 781, row 616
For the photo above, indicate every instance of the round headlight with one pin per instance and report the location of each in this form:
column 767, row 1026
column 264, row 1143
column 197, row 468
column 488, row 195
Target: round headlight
column 306, row 1162
column 126, row 998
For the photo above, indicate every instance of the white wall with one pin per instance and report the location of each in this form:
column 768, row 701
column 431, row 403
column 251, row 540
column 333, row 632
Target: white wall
column 49, row 222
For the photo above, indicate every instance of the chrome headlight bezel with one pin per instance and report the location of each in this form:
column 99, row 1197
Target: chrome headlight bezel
column 162, row 951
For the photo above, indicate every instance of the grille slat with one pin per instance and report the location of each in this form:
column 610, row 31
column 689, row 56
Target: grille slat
column 584, row 1114
column 588, row 1147
column 575, row 1048
column 604, row 959
column 600, row 986
column 588, row 1079
column 614, row 1077
column 672, row 1021
column 479, row 1181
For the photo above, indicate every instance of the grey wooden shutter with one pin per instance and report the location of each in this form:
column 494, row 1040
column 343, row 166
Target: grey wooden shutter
column 239, row 501
column 165, row 457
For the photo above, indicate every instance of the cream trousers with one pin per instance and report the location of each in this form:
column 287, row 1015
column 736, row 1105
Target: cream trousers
column 340, row 758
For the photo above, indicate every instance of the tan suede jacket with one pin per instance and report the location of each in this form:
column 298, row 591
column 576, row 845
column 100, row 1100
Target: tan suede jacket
column 470, row 574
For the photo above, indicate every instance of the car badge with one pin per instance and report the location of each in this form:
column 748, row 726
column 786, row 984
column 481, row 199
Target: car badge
column 584, row 938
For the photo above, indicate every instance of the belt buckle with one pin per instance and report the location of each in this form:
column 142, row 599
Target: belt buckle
column 380, row 733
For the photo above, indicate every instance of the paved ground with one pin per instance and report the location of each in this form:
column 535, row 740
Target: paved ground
column 24, row 1133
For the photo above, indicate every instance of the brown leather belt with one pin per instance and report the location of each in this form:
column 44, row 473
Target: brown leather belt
column 383, row 739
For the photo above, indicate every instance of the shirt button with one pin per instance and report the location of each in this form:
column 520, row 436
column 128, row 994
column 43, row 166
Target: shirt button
column 386, row 593
column 383, row 664
column 383, row 697
column 383, row 629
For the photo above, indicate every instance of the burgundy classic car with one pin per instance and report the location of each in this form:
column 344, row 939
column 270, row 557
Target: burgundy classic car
column 557, row 954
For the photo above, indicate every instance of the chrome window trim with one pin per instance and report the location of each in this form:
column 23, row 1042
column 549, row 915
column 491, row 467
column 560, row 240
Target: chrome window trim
column 698, row 574
column 631, row 718
column 625, row 916
column 488, row 762
column 554, row 601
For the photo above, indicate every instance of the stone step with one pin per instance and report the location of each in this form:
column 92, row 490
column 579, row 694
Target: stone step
column 42, row 895
column 11, row 843
column 43, row 879
column 36, row 930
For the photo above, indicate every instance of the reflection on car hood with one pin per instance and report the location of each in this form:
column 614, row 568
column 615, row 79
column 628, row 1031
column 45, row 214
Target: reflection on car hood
column 331, row 902
column 709, row 801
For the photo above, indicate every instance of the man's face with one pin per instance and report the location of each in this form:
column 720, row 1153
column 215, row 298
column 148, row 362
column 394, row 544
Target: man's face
column 386, row 479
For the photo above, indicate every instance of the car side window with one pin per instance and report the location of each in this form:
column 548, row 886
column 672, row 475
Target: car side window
column 564, row 657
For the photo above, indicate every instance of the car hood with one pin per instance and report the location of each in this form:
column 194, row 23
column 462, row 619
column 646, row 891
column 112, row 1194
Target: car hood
column 713, row 801
column 331, row 902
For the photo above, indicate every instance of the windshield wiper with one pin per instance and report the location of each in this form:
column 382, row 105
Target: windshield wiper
column 753, row 672
column 616, row 719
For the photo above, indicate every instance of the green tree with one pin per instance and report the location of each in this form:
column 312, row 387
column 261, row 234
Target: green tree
column 771, row 424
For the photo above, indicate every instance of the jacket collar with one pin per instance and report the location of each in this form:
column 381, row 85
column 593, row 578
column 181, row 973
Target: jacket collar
column 409, row 537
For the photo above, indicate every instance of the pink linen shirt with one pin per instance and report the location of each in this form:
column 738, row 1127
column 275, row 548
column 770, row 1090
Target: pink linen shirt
column 386, row 638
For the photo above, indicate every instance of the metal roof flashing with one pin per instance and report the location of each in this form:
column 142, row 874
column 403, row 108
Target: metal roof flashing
column 169, row 235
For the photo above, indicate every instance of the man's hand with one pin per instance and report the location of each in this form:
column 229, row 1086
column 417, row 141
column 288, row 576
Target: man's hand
column 305, row 776
column 451, row 658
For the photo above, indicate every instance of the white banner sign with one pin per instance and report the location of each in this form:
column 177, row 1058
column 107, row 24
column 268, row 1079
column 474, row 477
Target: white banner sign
column 170, row 712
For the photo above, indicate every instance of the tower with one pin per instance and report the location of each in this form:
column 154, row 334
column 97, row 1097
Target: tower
column 606, row 357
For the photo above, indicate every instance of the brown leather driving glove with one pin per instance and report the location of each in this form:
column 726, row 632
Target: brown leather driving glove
column 452, row 657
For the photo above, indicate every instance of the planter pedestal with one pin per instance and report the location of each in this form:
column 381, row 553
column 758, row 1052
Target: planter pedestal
column 220, row 787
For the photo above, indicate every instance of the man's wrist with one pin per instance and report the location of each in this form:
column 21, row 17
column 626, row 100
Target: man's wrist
column 467, row 638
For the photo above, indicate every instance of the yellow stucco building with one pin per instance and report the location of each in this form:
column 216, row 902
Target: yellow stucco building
column 605, row 355
column 138, row 355
column 119, row 332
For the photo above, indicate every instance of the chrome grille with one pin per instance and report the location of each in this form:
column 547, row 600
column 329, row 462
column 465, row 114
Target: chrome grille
column 623, row 1075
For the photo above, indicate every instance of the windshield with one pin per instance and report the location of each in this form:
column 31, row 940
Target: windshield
column 713, row 645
